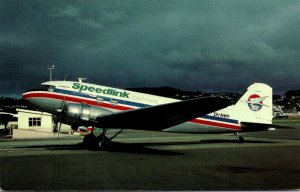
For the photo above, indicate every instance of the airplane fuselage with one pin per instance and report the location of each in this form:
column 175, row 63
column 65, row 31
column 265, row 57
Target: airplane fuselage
column 54, row 94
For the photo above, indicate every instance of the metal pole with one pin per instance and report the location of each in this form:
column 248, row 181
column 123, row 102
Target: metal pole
column 50, row 68
column 50, row 74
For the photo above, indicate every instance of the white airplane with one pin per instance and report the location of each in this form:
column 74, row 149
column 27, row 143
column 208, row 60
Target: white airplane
column 84, row 104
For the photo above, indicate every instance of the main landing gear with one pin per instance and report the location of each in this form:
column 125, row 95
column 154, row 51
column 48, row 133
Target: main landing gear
column 240, row 139
column 99, row 142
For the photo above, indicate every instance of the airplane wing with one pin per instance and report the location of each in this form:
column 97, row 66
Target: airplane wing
column 161, row 116
column 250, row 127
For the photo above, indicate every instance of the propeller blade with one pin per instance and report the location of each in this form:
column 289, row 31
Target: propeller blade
column 59, row 127
column 61, row 116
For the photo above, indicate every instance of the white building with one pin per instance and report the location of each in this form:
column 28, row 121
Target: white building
column 37, row 121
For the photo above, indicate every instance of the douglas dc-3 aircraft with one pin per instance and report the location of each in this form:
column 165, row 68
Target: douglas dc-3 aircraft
column 84, row 104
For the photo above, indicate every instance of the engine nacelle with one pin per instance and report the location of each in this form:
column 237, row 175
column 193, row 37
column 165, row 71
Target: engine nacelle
column 81, row 113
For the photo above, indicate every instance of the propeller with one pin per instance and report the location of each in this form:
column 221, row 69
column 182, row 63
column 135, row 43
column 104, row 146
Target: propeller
column 59, row 117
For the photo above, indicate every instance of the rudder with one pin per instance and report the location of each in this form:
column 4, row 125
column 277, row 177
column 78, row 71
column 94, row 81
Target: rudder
column 255, row 105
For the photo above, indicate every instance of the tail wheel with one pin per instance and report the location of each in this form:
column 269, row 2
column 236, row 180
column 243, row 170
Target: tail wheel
column 241, row 139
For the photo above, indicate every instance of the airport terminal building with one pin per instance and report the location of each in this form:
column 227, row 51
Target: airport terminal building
column 34, row 120
column 37, row 121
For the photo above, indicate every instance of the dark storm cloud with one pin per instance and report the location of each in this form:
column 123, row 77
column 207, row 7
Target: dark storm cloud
column 192, row 45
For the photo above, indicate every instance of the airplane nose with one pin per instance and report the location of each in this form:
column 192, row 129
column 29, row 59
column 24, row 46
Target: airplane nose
column 25, row 95
column 42, row 101
column 31, row 99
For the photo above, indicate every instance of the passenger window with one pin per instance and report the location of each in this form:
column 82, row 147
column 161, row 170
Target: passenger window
column 99, row 99
column 114, row 102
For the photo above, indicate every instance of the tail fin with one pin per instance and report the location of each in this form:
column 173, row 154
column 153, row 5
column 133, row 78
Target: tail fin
column 255, row 106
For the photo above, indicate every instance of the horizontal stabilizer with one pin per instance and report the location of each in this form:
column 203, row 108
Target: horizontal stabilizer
column 250, row 127
column 162, row 116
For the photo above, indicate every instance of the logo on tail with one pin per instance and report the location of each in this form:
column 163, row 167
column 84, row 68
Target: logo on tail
column 255, row 102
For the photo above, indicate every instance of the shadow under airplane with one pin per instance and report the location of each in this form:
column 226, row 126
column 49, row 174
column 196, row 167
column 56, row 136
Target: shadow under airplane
column 142, row 148
column 111, row 147
column 206, row 141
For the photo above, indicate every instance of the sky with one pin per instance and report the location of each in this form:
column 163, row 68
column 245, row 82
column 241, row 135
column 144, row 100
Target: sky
column 203, row 45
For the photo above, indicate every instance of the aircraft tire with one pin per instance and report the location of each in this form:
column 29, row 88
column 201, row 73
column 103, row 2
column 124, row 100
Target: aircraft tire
column 241, row 139
column 89, row 141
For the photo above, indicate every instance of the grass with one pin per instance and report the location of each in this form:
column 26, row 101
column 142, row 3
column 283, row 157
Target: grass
column 290, row 122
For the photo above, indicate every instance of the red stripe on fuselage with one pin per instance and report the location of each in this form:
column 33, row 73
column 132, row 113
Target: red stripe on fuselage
column 215, row 124
column 73, row 99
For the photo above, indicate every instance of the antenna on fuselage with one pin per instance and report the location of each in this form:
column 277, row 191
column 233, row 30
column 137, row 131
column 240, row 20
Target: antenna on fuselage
column 66, row 77
column 81, row 79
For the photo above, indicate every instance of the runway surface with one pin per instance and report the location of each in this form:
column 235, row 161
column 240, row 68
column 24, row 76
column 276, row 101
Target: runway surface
column 141, row 160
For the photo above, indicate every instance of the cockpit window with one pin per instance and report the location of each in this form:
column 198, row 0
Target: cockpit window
column 47, row 88
column 44, row 87
column 51, row 88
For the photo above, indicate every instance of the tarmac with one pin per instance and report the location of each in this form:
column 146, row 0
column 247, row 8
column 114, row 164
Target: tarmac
column 144, row 160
